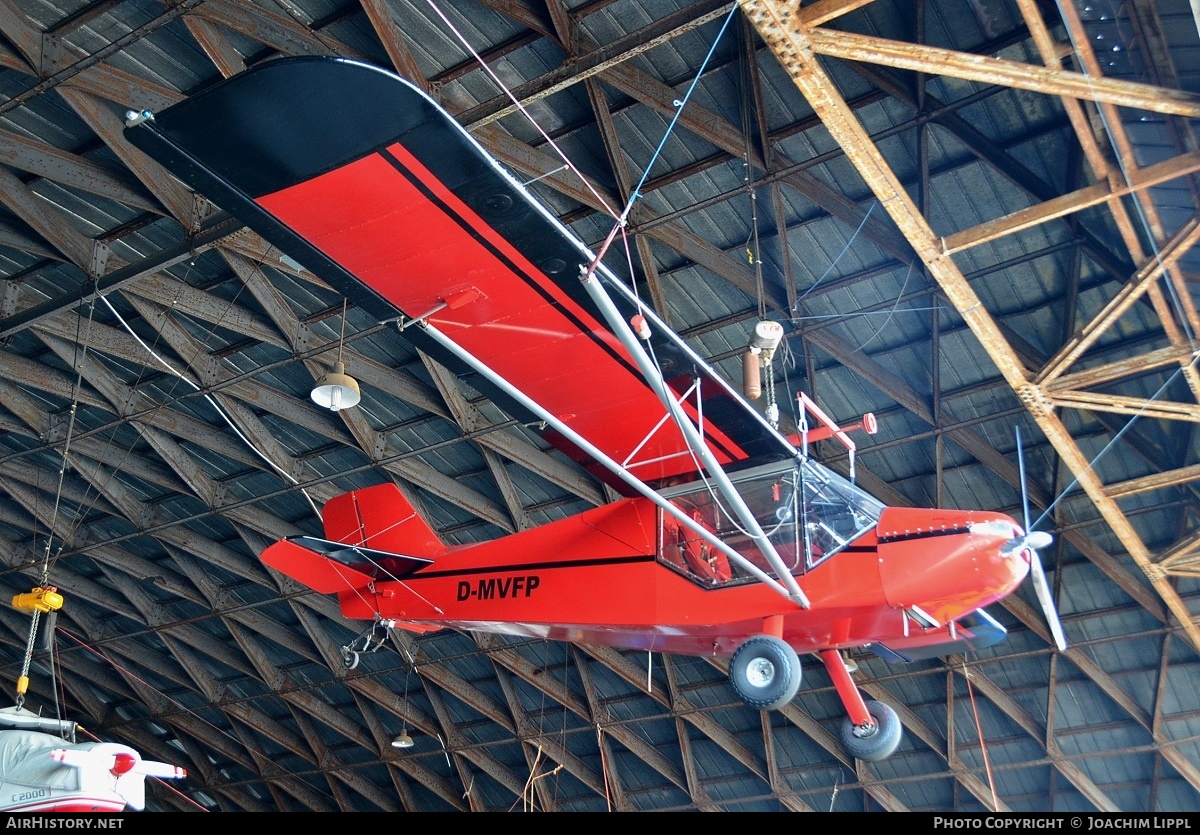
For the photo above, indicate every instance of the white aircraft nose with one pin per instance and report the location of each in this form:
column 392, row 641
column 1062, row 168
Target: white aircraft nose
column 1033, row 541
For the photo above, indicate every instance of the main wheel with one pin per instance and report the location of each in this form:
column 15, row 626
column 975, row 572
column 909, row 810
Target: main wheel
column 876, row 741
column 765, row 672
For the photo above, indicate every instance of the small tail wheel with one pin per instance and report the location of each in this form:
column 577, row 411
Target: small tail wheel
column 349, row 658
column 876, row 741
column 765, row 672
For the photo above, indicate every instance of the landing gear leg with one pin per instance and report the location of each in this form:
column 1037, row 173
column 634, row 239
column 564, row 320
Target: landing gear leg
column 370, row 641
column 871, row 730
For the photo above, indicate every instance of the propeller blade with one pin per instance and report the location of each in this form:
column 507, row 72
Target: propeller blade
column 77, row 758
column 1024, row 492
column 1032, row 541
column 1042, row 588
column 118, row 763
column 163, row 770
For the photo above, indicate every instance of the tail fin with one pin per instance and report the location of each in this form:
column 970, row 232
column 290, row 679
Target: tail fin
column 381, row 518
column 372, row 533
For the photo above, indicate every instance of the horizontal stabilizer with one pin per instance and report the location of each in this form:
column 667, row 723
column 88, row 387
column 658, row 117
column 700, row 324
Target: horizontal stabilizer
column 313, row 568
column 164, row 771
column 977, row 631
column 379, row 564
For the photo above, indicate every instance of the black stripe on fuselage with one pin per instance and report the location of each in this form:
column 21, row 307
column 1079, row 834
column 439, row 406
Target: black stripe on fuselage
column 909, row 535
column 531, row 566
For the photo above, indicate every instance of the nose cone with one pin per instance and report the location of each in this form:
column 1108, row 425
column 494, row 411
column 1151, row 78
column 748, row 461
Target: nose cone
column 948, row 562
column 123, row 763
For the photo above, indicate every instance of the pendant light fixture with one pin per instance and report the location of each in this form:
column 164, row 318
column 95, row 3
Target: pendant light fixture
column 403, row 740
column 337, row 390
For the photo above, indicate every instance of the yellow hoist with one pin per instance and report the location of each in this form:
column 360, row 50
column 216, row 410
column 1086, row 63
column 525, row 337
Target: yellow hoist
column 42, row 600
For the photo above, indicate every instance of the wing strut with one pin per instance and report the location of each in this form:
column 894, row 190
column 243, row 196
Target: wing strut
column 654, row 377
column 791, row 592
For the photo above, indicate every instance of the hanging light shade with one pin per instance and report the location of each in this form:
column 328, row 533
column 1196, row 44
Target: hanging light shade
column 403, row 740
column 336, row 390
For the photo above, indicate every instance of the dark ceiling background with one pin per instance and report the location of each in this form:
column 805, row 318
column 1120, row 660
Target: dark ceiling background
column 969, row 216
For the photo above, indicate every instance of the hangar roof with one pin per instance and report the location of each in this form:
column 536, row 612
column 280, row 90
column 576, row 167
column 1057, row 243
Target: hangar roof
column 969, row 216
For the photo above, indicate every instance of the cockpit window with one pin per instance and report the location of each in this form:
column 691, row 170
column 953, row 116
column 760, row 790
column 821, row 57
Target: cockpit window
column 806, row 512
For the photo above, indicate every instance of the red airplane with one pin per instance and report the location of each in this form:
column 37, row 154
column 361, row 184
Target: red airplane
column 730, row 539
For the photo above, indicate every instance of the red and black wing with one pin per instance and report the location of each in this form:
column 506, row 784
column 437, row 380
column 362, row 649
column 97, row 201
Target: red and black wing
column 365, row 181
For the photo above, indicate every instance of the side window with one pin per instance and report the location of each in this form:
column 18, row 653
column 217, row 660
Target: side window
column 807, row 512
column 690, row 551
column 836, row 513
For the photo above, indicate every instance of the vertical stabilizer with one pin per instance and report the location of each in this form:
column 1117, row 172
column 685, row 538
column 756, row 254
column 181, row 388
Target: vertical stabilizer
column 380, row 518
column 371, row 533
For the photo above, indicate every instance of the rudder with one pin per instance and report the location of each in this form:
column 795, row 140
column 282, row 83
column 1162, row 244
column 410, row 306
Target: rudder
column 371, row 534
column 380, row 518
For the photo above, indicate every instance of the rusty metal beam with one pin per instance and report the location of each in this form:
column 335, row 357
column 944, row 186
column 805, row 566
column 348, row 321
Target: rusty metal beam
column 987, row 70
column 1156, row 481
column 1140, row 406
column 1111, row 371
column 1138, row 283
column 1181, row 302
column 1076, row 201
column 792, row 43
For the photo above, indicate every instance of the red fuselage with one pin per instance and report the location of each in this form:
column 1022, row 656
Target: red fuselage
column 597, row 578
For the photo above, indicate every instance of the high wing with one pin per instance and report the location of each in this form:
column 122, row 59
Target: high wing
column 365, row 181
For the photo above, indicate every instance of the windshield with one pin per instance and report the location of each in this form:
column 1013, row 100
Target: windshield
column 807, row 511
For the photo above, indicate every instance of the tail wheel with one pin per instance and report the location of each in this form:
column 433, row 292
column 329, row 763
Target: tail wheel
column 876, row 741
column 765, row 672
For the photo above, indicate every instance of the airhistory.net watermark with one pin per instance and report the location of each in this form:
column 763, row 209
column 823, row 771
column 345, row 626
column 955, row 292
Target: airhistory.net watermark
column 60, row 822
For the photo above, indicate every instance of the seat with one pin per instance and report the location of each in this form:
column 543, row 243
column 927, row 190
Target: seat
column 699, row 558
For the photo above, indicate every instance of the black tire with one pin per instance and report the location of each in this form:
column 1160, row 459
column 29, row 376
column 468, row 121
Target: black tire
column 765, row 672
column 879, row 741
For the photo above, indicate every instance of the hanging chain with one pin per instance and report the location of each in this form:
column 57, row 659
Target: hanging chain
column 23, row 680
column 769, row 390
column 41, row 600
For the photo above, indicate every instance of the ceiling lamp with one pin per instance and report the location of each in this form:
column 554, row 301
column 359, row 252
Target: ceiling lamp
column 337, row 390
column 403, row 740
